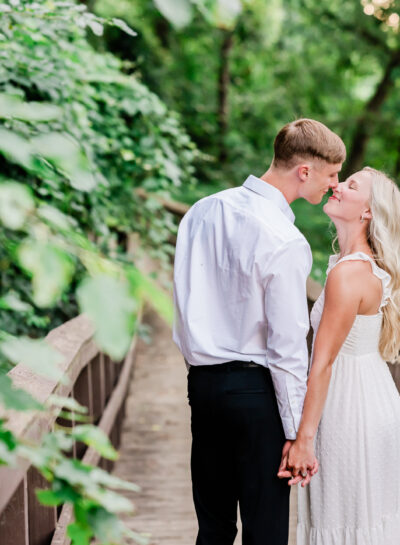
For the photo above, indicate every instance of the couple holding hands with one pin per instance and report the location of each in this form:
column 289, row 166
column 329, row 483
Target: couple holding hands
column 264, row 415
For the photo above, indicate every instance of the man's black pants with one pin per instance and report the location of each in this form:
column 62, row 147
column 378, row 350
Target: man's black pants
column 236, row 451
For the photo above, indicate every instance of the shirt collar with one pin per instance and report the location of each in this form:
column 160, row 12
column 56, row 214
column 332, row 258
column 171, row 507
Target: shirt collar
column 271, row 193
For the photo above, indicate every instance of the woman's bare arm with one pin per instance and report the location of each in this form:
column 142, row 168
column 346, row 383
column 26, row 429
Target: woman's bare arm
column 343, row 295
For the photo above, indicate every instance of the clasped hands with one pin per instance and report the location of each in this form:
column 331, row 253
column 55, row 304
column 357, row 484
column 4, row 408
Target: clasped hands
column 298, row 463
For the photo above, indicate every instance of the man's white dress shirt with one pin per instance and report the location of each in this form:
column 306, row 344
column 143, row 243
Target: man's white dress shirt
column 240, row 288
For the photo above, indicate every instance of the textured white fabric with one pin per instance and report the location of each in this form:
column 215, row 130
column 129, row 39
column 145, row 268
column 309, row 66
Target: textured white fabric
column 355, row 497
column 240, row 288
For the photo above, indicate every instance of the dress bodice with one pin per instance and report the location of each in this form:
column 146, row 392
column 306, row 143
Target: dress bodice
column 363, row 337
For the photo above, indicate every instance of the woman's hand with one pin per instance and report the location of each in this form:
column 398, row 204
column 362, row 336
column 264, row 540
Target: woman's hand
column 302, row 462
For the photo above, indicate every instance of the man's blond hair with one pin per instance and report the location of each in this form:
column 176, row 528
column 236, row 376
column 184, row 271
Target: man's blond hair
column 307, row 139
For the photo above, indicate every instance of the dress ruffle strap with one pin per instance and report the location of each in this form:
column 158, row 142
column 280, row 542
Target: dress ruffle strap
column 384, row 277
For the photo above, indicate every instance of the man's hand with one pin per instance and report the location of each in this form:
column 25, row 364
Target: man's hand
column 298, row 462
column 283, row 472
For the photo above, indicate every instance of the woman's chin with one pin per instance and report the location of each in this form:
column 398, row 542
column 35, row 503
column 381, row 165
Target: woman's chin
column 325, row 208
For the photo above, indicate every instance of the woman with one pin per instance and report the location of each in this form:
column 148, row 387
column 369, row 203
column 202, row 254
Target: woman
column 352, row 407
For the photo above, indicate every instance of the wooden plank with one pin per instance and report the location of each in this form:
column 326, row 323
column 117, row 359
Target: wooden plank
column 41, row 519
column 13, row 521
column 117, row 369
column 66, row 516
column 96, row 387
column 106, row 424
column 110, row 375
column 83, row 395
column 102, row 381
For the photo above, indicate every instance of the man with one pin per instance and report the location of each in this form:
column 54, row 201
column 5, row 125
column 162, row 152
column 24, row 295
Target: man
column 241, row 324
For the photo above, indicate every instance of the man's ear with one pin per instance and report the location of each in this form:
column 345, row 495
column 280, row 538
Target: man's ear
column 303, row 172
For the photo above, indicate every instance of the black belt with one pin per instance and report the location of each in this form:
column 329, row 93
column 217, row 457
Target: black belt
column 231, row 365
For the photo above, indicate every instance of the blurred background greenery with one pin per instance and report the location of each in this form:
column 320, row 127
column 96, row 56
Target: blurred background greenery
column 181, row 98
column 237, row 70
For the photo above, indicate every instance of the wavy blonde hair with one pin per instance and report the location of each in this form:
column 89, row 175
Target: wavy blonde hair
column 384, row 239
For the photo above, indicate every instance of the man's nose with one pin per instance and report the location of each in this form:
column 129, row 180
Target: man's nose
column 335, row 183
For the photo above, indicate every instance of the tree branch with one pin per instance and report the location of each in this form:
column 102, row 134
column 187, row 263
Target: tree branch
column 364, row 125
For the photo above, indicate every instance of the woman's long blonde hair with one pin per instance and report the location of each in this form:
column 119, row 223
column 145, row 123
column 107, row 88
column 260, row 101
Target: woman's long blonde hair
column 384, row 239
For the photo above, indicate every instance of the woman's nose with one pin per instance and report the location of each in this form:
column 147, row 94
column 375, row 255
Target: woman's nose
column 334, row 184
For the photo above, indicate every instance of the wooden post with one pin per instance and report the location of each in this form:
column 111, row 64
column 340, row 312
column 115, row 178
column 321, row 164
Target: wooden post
column 96, row 394
column 41, row 519
column 13, row 527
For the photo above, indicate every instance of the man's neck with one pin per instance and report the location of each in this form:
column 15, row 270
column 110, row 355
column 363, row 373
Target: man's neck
column 282, row 180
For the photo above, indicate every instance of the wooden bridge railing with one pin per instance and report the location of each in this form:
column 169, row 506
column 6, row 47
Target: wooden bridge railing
column 96, row 382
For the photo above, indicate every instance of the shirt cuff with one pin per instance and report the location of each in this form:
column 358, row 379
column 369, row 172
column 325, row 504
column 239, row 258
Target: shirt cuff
column 289, row 428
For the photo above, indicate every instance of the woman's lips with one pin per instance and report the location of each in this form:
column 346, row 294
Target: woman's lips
column 333, row 197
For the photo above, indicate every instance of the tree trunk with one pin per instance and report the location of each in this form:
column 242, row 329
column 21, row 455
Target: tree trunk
column 223, row 90
column 365, row 122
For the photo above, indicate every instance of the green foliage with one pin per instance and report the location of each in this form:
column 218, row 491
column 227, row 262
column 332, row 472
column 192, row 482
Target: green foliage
column 78, row 134
column 82, row 135
column 110, row 305
column 299, row 58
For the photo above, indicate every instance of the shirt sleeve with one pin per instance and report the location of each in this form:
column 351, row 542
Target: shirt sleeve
column 287, row 327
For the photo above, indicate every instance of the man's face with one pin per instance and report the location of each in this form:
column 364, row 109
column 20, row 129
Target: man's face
column 321, row 176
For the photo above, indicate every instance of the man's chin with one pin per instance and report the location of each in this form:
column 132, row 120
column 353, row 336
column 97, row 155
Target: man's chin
column 315, row 200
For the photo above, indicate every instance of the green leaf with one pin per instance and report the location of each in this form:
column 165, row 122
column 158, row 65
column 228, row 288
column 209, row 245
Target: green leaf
column 15, row 148
column 226, row 13
column 48, row 497
column 147, row 289
column 12, row 106
column 123, row 26
column 66, row 154
column 111, row 481
column 55, row 217
column 16, row 203
column 7, row 437
column 112, row 308
column 178, row 12
column 66, row 403
column 6, row 456
column 35, row 354
column 94, row 437
column 74, row 472
column 60, row 493
column 51, row 270
column 96, row 27
column 73, row 417
column 79, row 534
column 12, row 301
column 113, row 502
column 140, row 539
column 15, row 398
column 106, row 526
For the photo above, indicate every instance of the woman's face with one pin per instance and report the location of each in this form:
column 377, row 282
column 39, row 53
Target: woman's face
column 350, row 200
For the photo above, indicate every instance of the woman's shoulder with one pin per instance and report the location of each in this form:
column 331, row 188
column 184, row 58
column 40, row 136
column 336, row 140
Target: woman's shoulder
column 354, row 268
column 350, row 279
column 348, row 270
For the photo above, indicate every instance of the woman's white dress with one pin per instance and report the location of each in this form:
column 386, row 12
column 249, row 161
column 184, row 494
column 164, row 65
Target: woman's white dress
column 355, row 497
